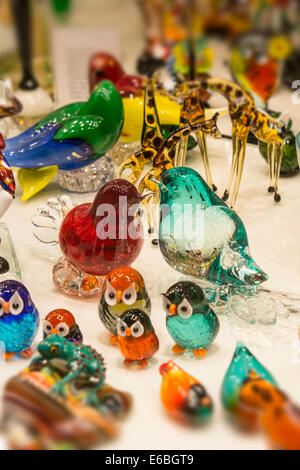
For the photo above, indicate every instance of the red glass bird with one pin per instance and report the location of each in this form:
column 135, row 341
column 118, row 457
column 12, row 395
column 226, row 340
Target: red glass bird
column 99, row 237
column 105, row 66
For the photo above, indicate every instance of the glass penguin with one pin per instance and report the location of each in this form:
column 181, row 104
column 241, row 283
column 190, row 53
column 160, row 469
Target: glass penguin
column 190, row 320
column 61, row 322
column 200, row 236
column 124, row 288
column 19, row 319
column 137, row 340
column 183, row 396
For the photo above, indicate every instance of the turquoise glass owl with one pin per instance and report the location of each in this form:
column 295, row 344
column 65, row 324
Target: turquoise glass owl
column 200, row 236
column 190, row 320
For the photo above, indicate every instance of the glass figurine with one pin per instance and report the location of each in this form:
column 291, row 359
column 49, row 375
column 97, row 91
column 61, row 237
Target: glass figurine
column 34, row 417
column 19, row 319
column 61, row 322
column 190, row 320
column 289, row 164
column 183, row 396
column 106, row 66
column 123, row 288
column 78, row 358
column 241, row 368
column 279, row 417
column 245, row 117
column 99, row 237
column 67, row 139
column 200, row 236
column 137, row 340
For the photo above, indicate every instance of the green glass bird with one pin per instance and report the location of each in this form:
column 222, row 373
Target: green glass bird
column 190, row 320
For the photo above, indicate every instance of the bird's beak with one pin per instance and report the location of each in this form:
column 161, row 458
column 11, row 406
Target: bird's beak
column 6, row 307
column 53, row 331
column 172, row 309
column 128, row 332
column 119, row 296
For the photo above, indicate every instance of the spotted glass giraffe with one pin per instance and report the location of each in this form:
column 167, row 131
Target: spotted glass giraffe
column 192, row 112
column 165, row 159
column 151, row 140
column 246, row 118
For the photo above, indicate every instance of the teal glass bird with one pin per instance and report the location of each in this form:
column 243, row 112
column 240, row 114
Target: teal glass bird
column 190, row 320
column 200, row 236
column 243, row 365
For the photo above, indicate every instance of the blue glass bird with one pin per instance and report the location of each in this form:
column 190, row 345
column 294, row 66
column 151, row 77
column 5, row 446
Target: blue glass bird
column 19, row 319
column 67, row 139
column 190, row 320
column 200, row 236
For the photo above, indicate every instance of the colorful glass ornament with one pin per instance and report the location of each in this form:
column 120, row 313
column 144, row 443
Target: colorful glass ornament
column 70, row 137
column 242, row 366
column 7, row 182
column 99, row 237
column 123, row 288
column 34, row 418
column 183, row 396
column 190, row 320
column 19, row 319
column 136, row 338
column 200, row 236
column 61, row 322
column 279, row 417
column 79, row 359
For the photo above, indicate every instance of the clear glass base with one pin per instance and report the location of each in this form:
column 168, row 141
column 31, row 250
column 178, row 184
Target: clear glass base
column 88, row 179
column 119, row 152
column 72, row 281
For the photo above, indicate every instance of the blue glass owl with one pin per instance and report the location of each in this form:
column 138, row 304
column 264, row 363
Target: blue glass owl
column 190, row 320
column 19, row 319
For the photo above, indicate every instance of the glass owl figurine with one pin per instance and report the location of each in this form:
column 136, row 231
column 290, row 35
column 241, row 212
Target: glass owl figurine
column 123, row 288
column 61, row 322
column 190, row 320
column 19, row 319
column 137, row 340
column 200, row 236
column 183, row 396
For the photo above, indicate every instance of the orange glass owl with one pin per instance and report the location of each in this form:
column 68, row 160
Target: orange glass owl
column 136, row 338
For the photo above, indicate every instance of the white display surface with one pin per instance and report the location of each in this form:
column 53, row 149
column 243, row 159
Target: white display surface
column 273, row 232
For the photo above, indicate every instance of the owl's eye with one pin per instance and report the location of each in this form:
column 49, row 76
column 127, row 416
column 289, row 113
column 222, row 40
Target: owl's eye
column 1, row 307
column 184, row 309
column 62, row 329
column 121, row 328
column 16, row 304
column 47, row 327
column 129, row 295
column 137, row 329
column 166, row 305
column 110, row 295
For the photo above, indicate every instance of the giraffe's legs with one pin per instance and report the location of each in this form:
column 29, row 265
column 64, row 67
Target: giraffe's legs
column 201, row 139
column 133, row 163
column 183, row 151
column 241, row 149
column 177, row 153
column 271, row 162
column 278, row 159
column 232, row 168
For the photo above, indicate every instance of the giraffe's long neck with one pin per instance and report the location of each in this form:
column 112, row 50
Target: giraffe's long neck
column 234, row 93
column 151, row 134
